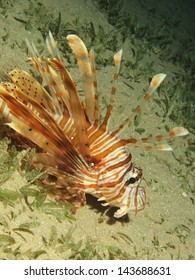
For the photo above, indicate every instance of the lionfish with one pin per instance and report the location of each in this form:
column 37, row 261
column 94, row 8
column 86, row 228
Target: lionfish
column 81, row 155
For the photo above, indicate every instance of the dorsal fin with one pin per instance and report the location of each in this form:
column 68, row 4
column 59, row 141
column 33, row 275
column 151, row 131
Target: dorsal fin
column 82, row 56
column 117, row 60
column 76, row 109
column 69, row 96
column 173, row 133
column 5, row 114
column 32, row 88
column 43, row 68
column 29, row 125
column 96, row 118
column 154, row 84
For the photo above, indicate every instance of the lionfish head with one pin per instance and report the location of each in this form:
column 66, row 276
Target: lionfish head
column 133, row 197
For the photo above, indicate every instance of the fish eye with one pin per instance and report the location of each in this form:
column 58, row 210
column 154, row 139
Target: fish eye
column 131, row 180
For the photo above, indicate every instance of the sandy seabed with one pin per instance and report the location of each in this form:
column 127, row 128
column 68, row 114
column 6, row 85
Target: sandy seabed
column 165, row 229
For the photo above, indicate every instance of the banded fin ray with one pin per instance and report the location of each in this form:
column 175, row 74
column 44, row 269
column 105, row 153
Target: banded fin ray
column 31, row 87
column 43, row 68
column 35, row 129
column 154, row 84
column 5, row 114
column 96, row 118
column 32, row 105
column 27, row 89
column 173, row 133
column 82, row 56
column 117, row 61
column 76, row 107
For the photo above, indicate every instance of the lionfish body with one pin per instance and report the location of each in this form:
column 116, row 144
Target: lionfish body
column 79, row 152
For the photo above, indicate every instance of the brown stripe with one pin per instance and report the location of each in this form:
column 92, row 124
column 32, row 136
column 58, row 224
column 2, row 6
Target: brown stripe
column 113, row 184
column 106, row 151
column 119, row 164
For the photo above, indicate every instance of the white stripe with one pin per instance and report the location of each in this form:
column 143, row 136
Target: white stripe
column 58, row 118
column 68, row 125
column 114, row 175
column 113, row 162
column 100, row 139
column 105, row 146
column 93, row 131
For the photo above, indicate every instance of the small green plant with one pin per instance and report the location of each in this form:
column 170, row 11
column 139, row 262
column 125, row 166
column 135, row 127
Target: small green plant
column 34, row 196
column 9, row 160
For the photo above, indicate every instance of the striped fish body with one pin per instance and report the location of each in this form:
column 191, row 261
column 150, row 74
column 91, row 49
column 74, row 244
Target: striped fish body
column 118, row 181
column 80, row 153
column 110, row 175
